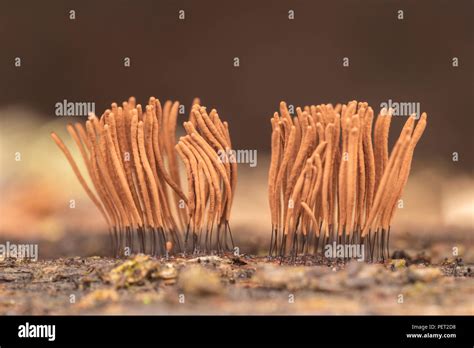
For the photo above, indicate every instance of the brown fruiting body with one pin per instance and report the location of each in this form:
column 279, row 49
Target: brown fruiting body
column 131, row 156
column 332, row 180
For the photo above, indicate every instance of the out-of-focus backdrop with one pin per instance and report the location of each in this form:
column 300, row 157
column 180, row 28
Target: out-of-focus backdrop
column 425, row 57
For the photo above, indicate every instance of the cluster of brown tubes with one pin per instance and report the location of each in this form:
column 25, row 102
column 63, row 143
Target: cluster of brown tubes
column 331, row 177
column 333, row 180
column 131, row 156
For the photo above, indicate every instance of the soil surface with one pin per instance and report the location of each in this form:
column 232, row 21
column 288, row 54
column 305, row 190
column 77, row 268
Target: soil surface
column 229, row 284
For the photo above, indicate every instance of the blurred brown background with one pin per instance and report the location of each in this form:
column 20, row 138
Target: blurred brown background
column 298, row 60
